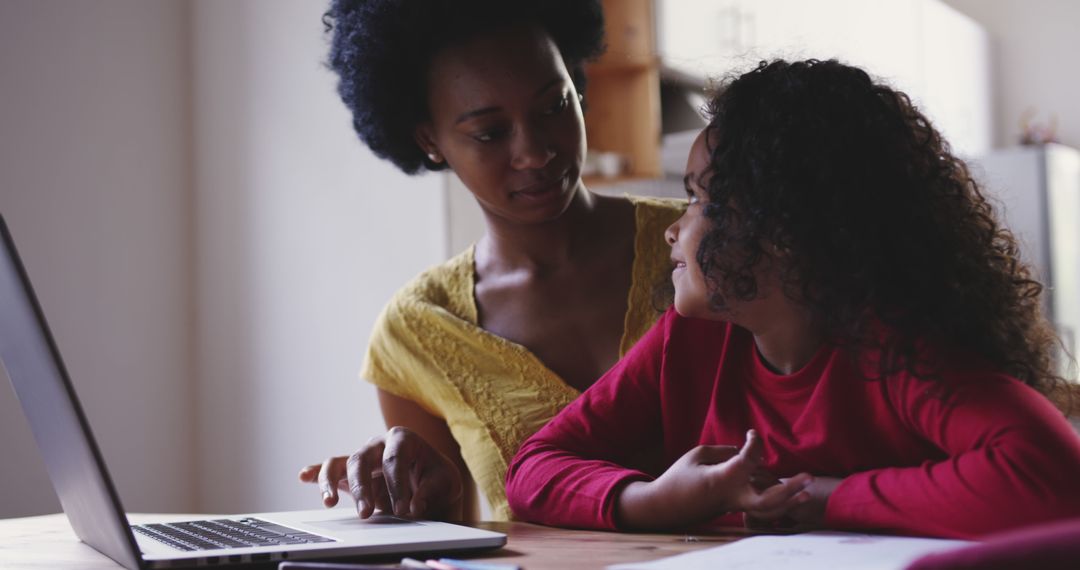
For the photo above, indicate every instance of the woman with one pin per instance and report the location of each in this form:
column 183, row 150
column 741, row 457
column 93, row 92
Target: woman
column 474, row 355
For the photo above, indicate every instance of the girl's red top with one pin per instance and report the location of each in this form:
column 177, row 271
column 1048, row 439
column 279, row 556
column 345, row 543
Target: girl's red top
column 970, row 453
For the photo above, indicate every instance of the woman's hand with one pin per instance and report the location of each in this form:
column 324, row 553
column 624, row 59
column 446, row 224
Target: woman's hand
column 397, row 472
column 706, row 482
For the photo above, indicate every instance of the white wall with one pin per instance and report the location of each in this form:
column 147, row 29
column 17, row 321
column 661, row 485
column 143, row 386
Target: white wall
column 1035, row 44
column 209, row 239
column 935, row 54
column 94, row 178
column 302, row 235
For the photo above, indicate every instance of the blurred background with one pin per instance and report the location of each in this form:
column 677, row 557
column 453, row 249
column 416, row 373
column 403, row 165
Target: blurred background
column 211, row 243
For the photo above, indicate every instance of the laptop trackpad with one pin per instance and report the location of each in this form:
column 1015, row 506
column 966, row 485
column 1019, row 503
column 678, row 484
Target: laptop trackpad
column 354, row 523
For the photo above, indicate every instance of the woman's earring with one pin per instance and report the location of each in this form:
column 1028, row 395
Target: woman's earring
column 434, row 157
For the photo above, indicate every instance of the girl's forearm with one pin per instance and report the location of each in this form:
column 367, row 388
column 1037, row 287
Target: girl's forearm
column 635, row 508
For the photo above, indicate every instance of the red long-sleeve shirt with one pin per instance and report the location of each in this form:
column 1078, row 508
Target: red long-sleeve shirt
column 971, row 453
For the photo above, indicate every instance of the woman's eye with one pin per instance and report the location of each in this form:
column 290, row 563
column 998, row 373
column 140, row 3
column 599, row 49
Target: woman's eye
column 559, row 105
column 488, row 136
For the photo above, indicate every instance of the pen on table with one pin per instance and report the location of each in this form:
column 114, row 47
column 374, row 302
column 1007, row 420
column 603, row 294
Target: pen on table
column 452, row 564
column 470, row 565
column 333, row 566
column 406, row 563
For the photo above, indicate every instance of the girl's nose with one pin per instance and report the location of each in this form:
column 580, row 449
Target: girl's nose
column 671, row 233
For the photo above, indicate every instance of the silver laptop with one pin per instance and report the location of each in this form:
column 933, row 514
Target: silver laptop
column 86, row 492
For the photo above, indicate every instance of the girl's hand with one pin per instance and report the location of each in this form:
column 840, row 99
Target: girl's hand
column 706, row 482
column 397, row 472
column 808, row 515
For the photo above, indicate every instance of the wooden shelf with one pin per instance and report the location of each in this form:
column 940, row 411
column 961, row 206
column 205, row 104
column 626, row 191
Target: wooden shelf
column 623, row 63
column 624, row 90
column 598, row 181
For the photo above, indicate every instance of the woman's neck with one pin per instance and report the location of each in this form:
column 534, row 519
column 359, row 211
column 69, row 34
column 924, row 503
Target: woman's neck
column 545, row 246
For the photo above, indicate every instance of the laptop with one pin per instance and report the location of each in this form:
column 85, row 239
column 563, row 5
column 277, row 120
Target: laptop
column 82, row 482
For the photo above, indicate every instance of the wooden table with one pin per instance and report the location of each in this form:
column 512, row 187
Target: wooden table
column 48, row 542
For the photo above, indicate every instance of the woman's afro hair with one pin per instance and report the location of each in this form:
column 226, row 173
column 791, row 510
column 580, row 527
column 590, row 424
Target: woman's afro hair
column 380, row 50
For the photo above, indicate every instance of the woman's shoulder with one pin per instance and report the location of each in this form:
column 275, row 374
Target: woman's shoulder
column 652, row 217
column 443, row 287
column 652, row 258
column 412, row 333
column 656, row 210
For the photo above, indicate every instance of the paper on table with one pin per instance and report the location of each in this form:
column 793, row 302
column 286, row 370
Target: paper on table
column 810, row 551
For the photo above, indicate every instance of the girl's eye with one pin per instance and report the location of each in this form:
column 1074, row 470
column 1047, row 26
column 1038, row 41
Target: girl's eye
column 691, row 196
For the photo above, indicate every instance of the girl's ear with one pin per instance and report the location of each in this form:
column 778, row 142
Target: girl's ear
column 424, row 138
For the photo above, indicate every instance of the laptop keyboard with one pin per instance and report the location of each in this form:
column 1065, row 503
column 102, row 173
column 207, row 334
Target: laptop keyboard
column 226, row 533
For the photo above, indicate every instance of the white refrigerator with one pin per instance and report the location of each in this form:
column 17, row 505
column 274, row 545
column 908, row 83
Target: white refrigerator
column 1037, row 190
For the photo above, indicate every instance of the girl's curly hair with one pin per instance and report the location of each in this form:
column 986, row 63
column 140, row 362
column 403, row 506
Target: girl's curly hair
column 380, row 50
column 874, row 222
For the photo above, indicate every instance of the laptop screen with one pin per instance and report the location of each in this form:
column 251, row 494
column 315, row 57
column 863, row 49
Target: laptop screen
column 41, row 383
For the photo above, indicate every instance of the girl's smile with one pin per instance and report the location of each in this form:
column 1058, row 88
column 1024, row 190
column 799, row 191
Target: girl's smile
column 684, row 237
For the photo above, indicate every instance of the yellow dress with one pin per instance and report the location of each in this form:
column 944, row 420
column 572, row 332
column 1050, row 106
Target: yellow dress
column 493, row 393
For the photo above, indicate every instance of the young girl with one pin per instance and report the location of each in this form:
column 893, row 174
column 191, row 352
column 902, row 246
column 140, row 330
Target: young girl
column 846, row 302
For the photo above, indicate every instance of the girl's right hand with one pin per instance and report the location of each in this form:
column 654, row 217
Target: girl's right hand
column 397, row 472
column 706, row 482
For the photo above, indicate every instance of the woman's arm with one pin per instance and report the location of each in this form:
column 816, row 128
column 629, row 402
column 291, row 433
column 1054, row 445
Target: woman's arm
column 415, row 469
column 399, row 411
column 1012, row 460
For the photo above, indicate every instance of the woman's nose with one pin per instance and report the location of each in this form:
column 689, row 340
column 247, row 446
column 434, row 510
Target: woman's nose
column 671, row 233
column 531, row 150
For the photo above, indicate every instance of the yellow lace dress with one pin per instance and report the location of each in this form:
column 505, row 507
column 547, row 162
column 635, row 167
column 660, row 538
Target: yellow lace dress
column 493, row 393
